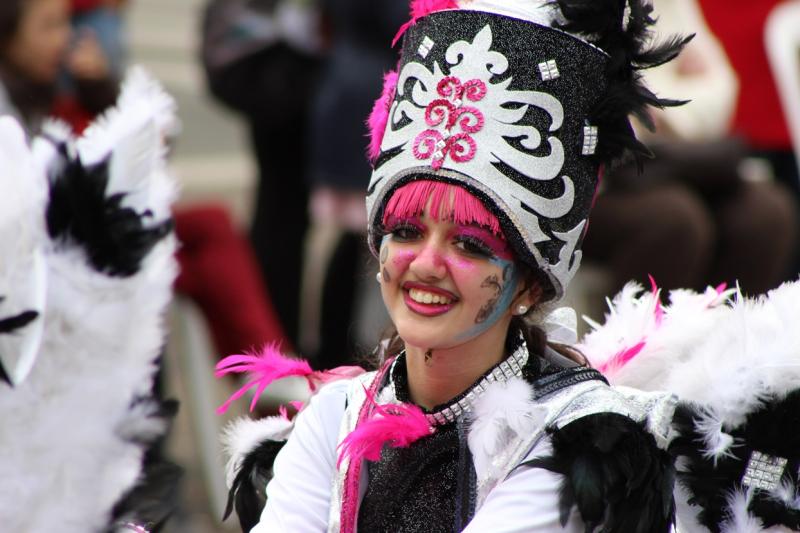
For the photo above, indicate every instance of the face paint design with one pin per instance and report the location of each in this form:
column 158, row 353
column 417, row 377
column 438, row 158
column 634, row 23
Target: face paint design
column 489, row 306
column 384, row 251
column 498, row 303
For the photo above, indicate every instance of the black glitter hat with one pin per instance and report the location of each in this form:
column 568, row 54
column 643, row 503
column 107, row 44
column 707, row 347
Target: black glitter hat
column 522, row 103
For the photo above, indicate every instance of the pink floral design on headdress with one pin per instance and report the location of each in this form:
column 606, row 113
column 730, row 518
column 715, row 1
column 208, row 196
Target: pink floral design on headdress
column 450, row 110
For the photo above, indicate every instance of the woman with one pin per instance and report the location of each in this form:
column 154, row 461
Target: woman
column 486, row 144
column 34, row 47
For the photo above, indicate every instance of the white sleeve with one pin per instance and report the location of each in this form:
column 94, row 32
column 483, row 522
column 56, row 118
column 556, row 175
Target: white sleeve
column 525, row 502
column 298, row 497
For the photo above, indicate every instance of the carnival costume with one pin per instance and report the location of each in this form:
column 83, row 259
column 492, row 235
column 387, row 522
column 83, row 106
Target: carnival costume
column 521, row 104
column 85, row 279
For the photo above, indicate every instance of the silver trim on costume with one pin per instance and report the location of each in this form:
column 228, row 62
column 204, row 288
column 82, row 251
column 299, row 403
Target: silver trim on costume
column 509, row 368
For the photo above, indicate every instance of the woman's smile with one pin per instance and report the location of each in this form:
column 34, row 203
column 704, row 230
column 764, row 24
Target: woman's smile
column 428, row 300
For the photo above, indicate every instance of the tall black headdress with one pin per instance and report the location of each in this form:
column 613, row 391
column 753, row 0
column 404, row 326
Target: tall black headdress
column 522, row 103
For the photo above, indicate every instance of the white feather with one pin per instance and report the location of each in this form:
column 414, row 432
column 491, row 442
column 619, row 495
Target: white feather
column 788, row 494
column 739, row 518
column 66, row 440
column 134, row 134
column 23, row 275
column 729, row 358
column 716, row 443
column 243, row 435
column 503, row 411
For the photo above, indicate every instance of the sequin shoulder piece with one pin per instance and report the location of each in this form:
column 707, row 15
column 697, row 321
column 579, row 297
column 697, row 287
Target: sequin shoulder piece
column 578, row 397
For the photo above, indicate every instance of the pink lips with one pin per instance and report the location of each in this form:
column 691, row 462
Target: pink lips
column 427, row 309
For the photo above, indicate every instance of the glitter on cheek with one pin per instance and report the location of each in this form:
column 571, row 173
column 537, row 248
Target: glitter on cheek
column 401, row 261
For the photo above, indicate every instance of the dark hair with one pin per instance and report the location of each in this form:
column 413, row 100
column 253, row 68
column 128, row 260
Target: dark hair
column 10, row 17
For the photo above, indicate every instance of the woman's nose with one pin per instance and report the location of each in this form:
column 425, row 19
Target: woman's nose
column 429, row 264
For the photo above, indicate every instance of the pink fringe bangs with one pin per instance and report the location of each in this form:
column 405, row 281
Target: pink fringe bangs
column 447, row 202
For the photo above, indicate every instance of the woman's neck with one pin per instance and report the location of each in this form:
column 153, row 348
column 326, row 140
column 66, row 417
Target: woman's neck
column 443, row 374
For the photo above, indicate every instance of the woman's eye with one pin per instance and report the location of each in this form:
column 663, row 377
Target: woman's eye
column 405, row 233
column 474, row 246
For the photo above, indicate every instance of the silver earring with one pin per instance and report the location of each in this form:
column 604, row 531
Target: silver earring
column 378, row 277
column 522, row 309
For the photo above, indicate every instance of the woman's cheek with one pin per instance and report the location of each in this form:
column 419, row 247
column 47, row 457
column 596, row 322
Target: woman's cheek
column 397, row 263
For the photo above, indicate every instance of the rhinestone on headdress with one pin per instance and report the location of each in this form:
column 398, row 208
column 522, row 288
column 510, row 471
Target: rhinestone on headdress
column 548, row 70
column 425, row 47
column 764, row 471
column 589, row 140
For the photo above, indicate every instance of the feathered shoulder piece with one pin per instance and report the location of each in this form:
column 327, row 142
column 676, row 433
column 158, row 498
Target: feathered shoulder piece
column 735, row 364
column 622, row 29
column 614, row 473
column 252, row 446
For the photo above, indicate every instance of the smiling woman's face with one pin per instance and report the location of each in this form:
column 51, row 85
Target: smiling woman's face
column 445, row 283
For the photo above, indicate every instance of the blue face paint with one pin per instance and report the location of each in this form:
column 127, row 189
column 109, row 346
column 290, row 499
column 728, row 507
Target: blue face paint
column 498, row 305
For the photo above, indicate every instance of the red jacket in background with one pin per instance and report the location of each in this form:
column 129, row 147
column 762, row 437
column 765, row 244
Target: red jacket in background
column 739, row 25
column 85, row 5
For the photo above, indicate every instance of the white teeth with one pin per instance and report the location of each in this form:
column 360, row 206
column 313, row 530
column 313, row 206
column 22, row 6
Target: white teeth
column 428, row 297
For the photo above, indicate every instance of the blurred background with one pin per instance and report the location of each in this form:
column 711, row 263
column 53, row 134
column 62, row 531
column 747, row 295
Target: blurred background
column 272, row 96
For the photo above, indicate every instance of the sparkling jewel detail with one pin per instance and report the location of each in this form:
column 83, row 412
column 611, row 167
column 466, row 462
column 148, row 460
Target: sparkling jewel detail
column 522, row 309
column 425, row 47
column 549, row 70
column 764, row 471
column 589, row 140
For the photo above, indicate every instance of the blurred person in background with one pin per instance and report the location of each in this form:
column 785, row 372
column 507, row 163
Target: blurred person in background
column 218, row 269
column 260, row 58
column 758, row 118
column 695, row 217
column 361, row 32
column 34, row 47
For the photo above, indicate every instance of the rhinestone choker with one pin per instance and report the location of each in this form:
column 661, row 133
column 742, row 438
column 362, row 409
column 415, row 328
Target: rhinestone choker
column 511, row 367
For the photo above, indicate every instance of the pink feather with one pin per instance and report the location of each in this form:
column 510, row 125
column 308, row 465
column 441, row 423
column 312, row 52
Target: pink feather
column 264, row 368
column 380, row 115
column 319, row 378
column 421, row 8
column 398, row 425
column 622, row 357
column 658, row 310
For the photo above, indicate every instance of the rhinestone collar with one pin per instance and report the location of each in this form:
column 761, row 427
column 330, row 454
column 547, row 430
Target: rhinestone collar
column 511, row 367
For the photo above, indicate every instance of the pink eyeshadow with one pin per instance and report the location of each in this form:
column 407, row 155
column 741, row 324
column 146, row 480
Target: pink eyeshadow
column 498, row 245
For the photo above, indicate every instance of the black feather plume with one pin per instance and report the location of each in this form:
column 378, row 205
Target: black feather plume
column 153, row 499
column 7, row 325
column 627, row 39
column 116, row 238
column 248, row 490
column 615, row 474
column 774, row 430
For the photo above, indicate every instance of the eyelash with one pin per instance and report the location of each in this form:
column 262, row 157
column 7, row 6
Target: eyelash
column 474, row 246
column 404, row 232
